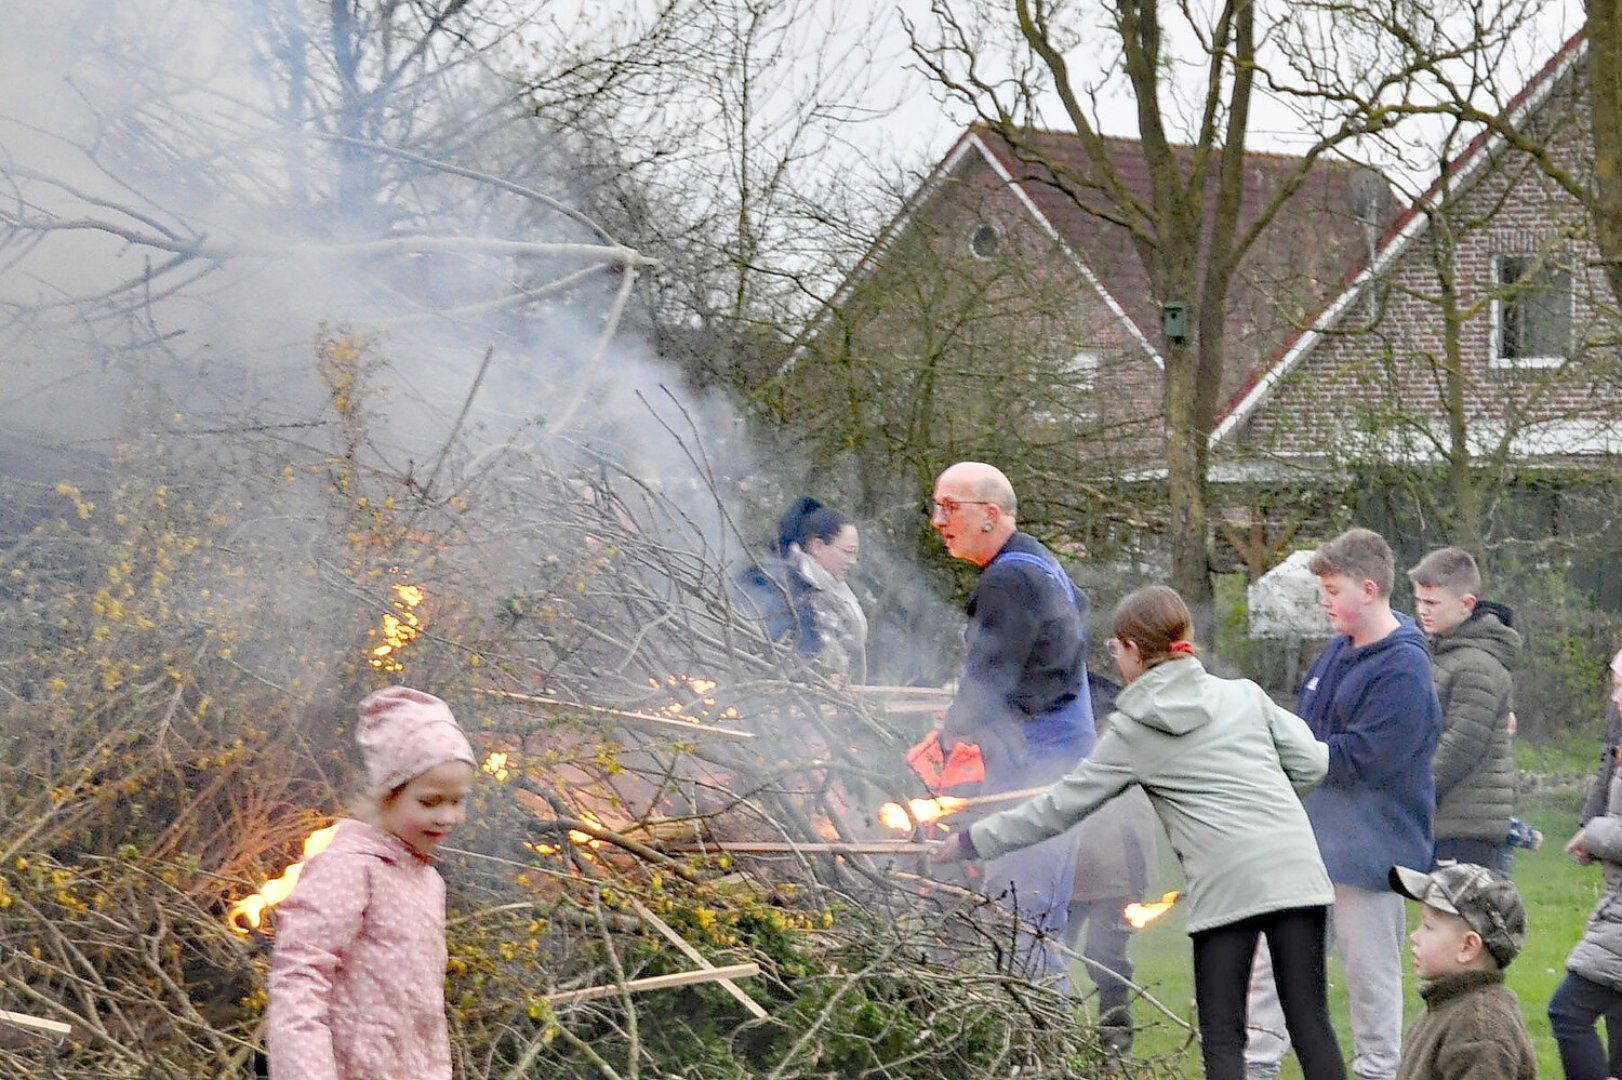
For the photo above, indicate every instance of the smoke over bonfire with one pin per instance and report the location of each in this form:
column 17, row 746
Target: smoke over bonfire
column 317, row 381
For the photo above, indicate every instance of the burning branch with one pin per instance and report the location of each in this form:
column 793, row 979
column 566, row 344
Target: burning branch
column 1141, row 915
column 916, row 812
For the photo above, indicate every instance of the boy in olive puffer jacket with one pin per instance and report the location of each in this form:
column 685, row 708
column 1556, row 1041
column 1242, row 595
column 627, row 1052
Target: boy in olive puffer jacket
column 1472, row 646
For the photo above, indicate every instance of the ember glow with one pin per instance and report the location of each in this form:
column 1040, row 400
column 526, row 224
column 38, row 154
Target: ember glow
column 400, row 627
column 701, row 707
column 578, row 838
column 918, row 811
column 246, row 914
column 1141, row 915
column 496, row 766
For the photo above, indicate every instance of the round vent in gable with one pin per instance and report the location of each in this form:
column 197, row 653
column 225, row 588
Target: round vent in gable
column 985, row 242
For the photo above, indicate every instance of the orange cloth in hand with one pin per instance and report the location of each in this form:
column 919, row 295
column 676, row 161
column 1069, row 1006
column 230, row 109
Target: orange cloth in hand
column 938, row 770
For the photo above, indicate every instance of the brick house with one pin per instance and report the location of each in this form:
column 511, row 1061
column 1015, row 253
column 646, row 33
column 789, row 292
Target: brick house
column 1482, row 335
column 994, row 297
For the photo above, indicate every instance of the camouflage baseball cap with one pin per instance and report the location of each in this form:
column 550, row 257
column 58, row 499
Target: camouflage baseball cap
column 1484, row 898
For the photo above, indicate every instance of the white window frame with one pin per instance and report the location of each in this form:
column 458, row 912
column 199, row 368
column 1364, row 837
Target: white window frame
column 1086, row 364
column 996, row 241
column 1497, row 359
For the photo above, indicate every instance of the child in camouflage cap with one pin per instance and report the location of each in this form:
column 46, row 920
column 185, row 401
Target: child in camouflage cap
column 1471, row 926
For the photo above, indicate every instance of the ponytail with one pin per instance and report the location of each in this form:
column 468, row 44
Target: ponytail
column 1156, row 620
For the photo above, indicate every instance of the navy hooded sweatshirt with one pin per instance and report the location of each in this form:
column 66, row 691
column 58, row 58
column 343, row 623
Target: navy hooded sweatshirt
column 1376, row 708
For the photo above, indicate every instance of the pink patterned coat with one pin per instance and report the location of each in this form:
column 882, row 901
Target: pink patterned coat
column 357, row 981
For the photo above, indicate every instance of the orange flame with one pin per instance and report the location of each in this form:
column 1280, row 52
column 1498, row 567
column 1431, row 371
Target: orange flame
column 1141, row 915
column 400, row 628
column 496, row 766
column 918, row 811
column 579, row 838
column 246, row 914
column 694, row 711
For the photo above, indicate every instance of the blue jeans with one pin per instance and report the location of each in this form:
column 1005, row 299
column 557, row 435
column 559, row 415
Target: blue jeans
column 1491, row 854
column 1576, row 1005
column 1034, row 884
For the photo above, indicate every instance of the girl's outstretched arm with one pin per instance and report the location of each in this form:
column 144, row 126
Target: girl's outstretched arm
column 1094, row 781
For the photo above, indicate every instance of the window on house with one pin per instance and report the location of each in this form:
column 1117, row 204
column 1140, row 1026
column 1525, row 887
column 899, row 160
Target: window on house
column 984, row 242
column 1533, row 312
column 1084, row 366
column 1062, row 393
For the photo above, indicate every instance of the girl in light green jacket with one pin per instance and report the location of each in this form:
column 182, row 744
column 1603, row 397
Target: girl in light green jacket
column 1224, row 767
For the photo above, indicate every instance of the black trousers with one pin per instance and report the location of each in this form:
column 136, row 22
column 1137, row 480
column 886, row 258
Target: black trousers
column 1222, row 959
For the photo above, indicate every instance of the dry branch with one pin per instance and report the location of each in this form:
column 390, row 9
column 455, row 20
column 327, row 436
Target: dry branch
column 36, row 1023
column 933, row 693
column 753, row 847
column 658, row 982
column 698, row 958
column 632, row 719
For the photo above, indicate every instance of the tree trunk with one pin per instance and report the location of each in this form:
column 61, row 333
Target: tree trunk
column 1605, row 109
column 1465, row 495
column 1185, row 478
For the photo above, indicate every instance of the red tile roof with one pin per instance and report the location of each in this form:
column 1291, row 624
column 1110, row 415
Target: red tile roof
column 1304, row 256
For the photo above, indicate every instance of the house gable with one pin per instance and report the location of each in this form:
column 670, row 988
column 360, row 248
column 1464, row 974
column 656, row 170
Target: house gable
column 1368, row 376
column 1299, row 261
column 974, row 326
column 962, row 162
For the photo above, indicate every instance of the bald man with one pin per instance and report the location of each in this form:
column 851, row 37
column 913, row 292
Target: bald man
column 1023, row 694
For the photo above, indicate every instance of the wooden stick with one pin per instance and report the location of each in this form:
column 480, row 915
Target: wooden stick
column 902, row 691
column 658, row 982
column 36, row 1023
column 751, row 847
column 907, row 708
column 991, row 800
column 698, row 958
column 634, row 719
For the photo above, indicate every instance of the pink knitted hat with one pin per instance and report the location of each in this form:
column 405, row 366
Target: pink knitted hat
column 1616, row 662
column 403, row 733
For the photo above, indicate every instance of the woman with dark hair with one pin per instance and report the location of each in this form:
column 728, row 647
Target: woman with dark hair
column 800, row 591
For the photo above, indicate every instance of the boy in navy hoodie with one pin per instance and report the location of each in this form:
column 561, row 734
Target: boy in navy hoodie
column 1370, row 696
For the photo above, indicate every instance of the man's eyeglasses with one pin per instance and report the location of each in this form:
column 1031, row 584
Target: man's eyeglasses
column 948, row 507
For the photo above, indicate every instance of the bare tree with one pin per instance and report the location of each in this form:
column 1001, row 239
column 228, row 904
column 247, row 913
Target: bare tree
column 724, row 138
column 1195, row 229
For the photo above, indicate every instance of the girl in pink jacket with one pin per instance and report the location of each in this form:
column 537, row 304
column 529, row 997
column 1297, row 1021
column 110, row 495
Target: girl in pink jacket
column 357, row 982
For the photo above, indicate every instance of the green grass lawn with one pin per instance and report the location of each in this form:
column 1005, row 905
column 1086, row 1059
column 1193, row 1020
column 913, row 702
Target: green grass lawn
column 1558, row 894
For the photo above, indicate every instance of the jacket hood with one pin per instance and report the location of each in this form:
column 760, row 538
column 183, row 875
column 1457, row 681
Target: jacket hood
column 1406, row 633
column 1169, row 697
column 1486, row 630
column 1493, row 607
